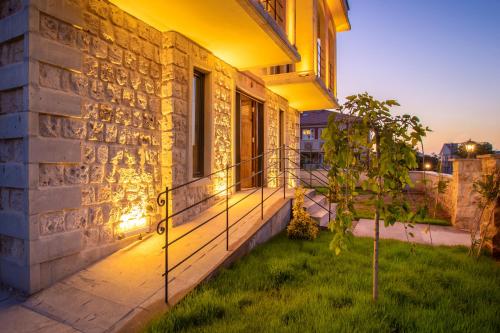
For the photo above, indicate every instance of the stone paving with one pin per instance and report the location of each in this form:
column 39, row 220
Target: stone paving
column 123, row 291
column 441, row 235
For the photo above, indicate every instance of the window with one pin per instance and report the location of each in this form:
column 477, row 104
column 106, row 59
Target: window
column 320, row 132
column 197, row 123
column 307, row 134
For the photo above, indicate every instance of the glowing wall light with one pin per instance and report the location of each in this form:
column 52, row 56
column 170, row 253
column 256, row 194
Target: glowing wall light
column 220, row 186
column 133, row 220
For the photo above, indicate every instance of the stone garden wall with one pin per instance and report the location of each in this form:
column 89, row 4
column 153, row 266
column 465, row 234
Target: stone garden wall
column 461, row 201
column 429, row 183
column 490, row 223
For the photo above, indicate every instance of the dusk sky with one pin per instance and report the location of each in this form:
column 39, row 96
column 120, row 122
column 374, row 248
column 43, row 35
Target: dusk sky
column 439, row 58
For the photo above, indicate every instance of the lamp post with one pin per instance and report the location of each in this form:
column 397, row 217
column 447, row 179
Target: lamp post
column 469, row 147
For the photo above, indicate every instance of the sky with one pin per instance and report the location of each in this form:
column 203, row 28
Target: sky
column 440, row 59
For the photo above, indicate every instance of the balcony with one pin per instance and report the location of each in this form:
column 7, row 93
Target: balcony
column 241, row 32
column 304, row 90
column 311, row 145
column 310, row 83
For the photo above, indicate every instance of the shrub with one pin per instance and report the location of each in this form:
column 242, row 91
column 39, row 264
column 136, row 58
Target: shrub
column 302, row 225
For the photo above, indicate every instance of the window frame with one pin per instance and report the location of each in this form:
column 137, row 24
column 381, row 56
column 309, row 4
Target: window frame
column 309, row 136
column 198, row 124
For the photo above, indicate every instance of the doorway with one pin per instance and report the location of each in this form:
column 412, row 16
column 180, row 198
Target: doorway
column 249, row 141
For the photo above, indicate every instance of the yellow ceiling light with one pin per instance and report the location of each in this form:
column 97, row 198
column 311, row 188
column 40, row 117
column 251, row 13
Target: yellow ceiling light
column 240, row 32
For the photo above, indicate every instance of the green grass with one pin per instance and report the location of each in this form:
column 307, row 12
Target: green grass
column 301, row 286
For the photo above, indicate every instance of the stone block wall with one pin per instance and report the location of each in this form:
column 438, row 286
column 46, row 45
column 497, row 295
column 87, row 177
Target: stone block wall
column 274, row 105
column 14, row 131
column 293, row 141
column 461, row 201
column 80, row 135
column 180, row 57
column 464, row 200
column 430, row 184
column 490, row 223
column 94, row 123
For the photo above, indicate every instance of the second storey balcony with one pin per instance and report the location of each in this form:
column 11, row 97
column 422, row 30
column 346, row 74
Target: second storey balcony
column 304, row 90
column 310, row 84
column 244, row 33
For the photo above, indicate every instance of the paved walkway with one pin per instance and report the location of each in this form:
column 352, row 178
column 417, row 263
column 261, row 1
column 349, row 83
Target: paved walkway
column 441, row 235
column 128, row 284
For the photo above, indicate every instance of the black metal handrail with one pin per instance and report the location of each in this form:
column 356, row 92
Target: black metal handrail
column 221, row 170
column 304, row 154
column 320, row 205
column 163, row 201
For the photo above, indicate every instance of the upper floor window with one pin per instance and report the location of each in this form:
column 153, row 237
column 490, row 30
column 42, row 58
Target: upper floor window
column 318, row 50
column 320, row 131
column 197, row 123
column 308, row 134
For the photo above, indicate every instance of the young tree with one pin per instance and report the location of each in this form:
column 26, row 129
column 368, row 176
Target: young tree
column 367, row 139
column 488, row 189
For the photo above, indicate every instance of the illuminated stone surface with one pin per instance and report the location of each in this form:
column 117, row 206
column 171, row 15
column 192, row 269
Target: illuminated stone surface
column 104, row 115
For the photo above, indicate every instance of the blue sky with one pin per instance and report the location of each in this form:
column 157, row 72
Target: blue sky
column 439, row 58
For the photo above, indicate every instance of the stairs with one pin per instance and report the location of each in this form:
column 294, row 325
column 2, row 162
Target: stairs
column 313, row 207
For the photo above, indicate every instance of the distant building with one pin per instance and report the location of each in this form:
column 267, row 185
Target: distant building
column 448, row 151
column 312, row 124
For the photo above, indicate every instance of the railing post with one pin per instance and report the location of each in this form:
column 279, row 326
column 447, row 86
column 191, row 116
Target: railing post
column 329, row 204
column 284, row 173
column 310, row 167
column 166, row 245
column 262, row 189
column 227, row 207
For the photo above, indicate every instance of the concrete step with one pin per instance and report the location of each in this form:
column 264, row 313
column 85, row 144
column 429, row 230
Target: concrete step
column 314, row 205
column 321, row 217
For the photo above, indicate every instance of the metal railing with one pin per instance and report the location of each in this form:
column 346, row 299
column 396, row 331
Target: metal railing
column 282, row 171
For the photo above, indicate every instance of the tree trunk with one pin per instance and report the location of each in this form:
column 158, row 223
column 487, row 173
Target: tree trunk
column 482, row 235
column 377, row 223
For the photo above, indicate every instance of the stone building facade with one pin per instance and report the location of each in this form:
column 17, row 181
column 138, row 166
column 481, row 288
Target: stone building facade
column 95, row 108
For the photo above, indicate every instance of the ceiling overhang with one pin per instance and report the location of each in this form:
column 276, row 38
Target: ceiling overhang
column 339, row 9
column 240, row 32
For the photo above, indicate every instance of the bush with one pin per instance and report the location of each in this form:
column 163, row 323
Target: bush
column 302, row 225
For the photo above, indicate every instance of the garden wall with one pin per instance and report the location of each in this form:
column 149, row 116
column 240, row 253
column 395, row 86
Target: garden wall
column 460, row 200
column 430, row 184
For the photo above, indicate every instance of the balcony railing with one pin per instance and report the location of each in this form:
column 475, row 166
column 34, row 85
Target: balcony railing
column 277, row 10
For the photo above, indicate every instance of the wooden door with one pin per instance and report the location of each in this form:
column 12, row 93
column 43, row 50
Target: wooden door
column 246, row 142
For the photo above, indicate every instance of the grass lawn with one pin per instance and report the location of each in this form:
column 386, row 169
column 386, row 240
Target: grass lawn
column 301, row 286
column 365, row 207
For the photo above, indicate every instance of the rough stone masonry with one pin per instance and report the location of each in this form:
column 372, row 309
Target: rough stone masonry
column 94, row 122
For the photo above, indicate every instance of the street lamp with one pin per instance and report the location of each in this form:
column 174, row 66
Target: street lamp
column 469, row 147
column 428, row 166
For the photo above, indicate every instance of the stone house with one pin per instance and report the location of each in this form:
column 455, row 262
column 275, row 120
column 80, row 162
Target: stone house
column 103, row 104
column 312, row 124
column 446, row 155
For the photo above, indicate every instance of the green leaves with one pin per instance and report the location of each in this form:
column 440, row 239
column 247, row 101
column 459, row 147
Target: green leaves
column 367, row 140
